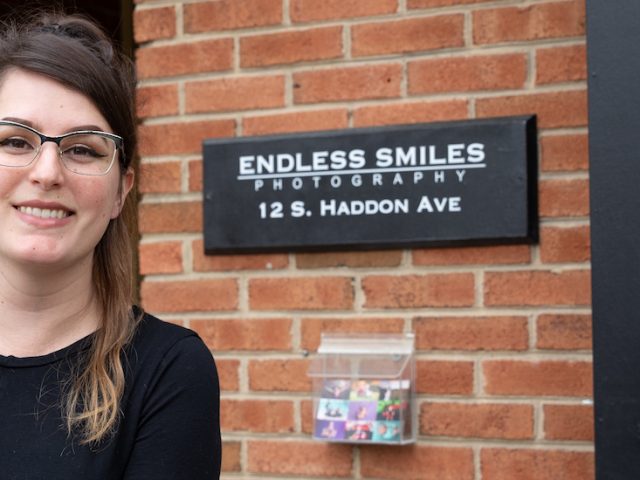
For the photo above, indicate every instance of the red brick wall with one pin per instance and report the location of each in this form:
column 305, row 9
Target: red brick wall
column 503, row 343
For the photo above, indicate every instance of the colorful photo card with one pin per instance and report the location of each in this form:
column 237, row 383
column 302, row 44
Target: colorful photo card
column 359, row 430
column 329, row 430
column 391, row 410
column 329, row 409
column 393, row 390
column 362, row 410
column 339, row 388
column 365, row 390
column 387, row 432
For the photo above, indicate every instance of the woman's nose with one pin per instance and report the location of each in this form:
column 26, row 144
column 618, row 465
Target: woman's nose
column 46, row 169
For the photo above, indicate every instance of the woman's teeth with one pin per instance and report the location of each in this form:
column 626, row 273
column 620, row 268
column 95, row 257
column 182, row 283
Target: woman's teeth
column 43, row 212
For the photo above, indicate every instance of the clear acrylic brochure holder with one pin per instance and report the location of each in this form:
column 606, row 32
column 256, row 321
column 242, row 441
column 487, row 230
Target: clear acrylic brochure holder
column 364, row 389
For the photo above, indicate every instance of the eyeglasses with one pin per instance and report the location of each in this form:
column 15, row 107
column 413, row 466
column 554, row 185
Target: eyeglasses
column 85, row 152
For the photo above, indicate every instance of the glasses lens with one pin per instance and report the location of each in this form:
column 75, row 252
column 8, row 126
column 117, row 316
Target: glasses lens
column 88, row 153
column 18, row 146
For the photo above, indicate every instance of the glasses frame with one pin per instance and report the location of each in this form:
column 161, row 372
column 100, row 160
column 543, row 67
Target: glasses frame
column 117, row 139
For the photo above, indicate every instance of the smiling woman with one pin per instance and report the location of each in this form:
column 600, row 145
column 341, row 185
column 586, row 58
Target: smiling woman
column 89, row 385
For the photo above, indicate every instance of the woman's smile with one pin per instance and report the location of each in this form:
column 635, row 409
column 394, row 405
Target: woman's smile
column 44, row 212
column 41, row 214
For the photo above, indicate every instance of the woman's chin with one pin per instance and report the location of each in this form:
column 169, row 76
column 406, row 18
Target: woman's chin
column 43, row 256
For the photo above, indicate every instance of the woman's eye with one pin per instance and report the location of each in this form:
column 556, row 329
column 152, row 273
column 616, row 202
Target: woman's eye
column 15, row 144
column 81, row 151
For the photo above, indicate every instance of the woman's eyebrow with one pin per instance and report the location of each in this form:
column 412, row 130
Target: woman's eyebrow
column 81, row 128
column 19, row 120
column 75, row 128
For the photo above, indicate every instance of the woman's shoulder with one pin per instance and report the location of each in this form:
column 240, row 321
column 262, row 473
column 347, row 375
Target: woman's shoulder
column 161, row 343
column 171, row 403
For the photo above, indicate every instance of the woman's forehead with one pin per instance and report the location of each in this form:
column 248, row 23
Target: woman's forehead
column 46, row 104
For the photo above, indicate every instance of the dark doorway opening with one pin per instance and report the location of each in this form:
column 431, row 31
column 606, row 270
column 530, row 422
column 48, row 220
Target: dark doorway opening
column 115, row 16
column 614, row 143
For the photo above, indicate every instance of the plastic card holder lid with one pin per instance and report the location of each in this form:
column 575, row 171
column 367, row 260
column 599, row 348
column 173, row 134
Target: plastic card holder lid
column 363, row 355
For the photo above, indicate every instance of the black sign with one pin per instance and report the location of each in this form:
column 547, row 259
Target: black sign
column 413, row 185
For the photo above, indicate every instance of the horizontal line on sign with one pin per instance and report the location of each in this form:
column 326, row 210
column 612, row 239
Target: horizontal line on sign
column 324, row 173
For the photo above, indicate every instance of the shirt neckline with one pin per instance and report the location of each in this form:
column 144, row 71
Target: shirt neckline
column 11, row 361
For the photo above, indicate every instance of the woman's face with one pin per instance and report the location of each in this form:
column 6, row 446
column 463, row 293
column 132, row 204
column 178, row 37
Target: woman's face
column 69, row 212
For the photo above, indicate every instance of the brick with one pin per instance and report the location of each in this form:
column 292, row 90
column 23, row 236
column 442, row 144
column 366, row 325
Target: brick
column 231, row 14
column 299, row 459
column 563, row 198
column 410, row 291
column 494, row 255
column 260, row 416
column 279, row 375
column 231, row 262
column 568, row 244
column 231, row 461
column 444, row 377
column 301, row 293
column 311, row 329
column 487, row 420
column 291, row 47
column 239, row 93
column 535, row 22
column 175, row 217
column 164, row 177
column 312, row 10
column 553, row 109
column 535, row 378
column 156, row 101
column 471, row 333
column 414, row 112
column 406, row 36
column 160, row 257
column 564, row 153
column 308, row 121
column 190, row 296
column 463, row 74
column 223, row 334
column 154, row 24
column 365, row 259
column 504, row 463
column 416, row 462
column 228, row 374
column 182, row 59
column 564, row 331
column 568, row 422
column 182, row 137
column 306, row 414
column 415, row 4
column 195, row 175
column 537, row 288
column 561, row 64
column 347, row 83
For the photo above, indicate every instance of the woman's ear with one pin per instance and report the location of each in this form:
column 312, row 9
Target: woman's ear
column 126, row 183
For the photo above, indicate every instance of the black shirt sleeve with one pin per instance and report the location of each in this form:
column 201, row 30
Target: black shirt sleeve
column 178, row 432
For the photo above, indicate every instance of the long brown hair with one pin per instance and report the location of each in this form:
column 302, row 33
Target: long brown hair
column 75, row 52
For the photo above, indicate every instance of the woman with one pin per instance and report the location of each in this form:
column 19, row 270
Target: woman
column 89, row 386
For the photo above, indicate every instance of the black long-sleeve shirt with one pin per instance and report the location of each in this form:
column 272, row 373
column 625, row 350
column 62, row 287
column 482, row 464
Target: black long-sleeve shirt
column 169, row 428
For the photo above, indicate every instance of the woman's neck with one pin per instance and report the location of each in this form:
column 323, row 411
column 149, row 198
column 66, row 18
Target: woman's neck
column 42, row 311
